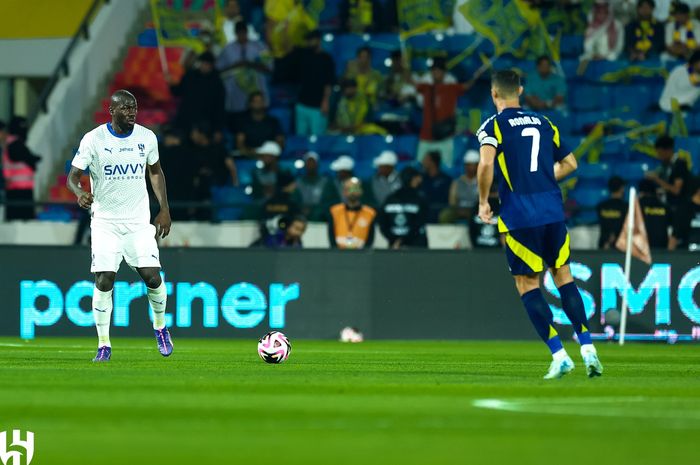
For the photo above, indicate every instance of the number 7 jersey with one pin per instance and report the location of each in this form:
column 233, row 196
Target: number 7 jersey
column 527, row 146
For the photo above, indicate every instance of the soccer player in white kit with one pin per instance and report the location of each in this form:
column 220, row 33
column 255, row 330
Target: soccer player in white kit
column 118, row 155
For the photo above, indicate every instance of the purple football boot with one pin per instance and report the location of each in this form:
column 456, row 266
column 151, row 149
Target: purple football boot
column 165, row 344
column 104, row 354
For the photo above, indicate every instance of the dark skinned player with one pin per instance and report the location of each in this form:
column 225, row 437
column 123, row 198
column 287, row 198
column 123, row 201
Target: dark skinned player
column 118, row 155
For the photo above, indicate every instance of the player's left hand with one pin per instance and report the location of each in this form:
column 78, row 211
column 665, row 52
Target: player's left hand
column 485, row 213
column 162, row 224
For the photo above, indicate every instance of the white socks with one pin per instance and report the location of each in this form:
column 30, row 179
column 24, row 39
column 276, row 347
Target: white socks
column 559, row 355
column 587, row 348
column 158, row 298
column 102, row 312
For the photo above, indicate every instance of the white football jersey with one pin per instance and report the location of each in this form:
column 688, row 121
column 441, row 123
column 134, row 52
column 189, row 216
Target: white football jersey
column 118, row 171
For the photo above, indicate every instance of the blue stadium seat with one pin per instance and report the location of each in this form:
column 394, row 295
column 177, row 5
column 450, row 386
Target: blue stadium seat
column 585, row 120
column 329, row 17
column 284, row 115
column 147, row 38
column 632, row 172
column 333, row 146
column 245, row 167
column 229, row 195
column 364, row 169
column 597, row 69
column 593, row 176
column 632, row 100
column 588, row 198
column 371, row 146
column 588, row 97
column 571, row 46
column 569, row 67
column 296, row 146
column 460, row 145
column 614, row 151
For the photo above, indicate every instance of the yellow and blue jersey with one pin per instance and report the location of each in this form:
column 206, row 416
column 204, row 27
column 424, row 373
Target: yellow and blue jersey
column 527, row 146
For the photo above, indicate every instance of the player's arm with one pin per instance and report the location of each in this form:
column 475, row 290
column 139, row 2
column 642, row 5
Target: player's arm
column 84, row 198
column 162, row 221
column 484, row 180
column 565, row 167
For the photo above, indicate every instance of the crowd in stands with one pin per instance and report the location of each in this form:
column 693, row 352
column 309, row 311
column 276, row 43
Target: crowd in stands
column 263, row 53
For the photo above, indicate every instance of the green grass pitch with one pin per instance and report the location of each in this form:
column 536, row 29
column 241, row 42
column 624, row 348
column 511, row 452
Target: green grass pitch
column 215, row 402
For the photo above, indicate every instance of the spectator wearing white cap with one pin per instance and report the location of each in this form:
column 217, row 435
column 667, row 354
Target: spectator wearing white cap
column 385, row 181
column 343, row 168
column 464, row 191
column 265, row 176
column 310, row 188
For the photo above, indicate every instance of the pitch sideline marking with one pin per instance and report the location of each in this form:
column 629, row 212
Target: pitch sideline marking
column 580, row 406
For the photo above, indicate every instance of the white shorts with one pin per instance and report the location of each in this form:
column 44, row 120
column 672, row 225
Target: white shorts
column 112, row 242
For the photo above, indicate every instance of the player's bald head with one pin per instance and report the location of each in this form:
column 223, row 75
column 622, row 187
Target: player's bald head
column 506, row 83
column 122, row 97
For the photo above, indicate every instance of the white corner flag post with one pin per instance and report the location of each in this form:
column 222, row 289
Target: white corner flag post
column 628, row 263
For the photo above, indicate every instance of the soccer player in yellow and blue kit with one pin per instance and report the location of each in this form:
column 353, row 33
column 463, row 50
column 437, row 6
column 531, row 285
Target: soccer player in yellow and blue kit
column 526, row 152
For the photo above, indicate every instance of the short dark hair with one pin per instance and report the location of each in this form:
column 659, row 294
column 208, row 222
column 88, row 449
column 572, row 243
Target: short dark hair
column 435, row 156
column 396, row 54
column 664, row 141
column 507, row 81
column 364, row 48
column 348, row 83
column 241, row 26
column 254, row 94
column 542, row 58
column 407, row 175
column 439, row 63
column 680, row 7
column 651, row 3
column 207, row 57
column 694, row 57
column 615, row 184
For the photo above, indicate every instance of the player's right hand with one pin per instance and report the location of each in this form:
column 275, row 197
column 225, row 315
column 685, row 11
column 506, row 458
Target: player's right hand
column 485, row 213
column 85, row 200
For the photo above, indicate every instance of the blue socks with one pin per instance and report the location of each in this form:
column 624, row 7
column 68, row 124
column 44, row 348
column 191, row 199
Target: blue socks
column 573, row 307
column 541, row 317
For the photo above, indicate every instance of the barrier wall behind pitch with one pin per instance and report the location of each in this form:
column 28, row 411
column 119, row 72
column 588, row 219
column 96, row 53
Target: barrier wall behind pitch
column 46, row 291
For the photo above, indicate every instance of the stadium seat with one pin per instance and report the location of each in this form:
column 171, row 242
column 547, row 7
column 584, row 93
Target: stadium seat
column 571, row 46
column 588, row 198
column 583, row 121
column 631, row 101
column 334, row 146
column 284, row 115
column 593, row 176
column 295, row 146
column 245, row 167
column 614, row 151
column 588, row 97
column 632, row 172
column 229, row 195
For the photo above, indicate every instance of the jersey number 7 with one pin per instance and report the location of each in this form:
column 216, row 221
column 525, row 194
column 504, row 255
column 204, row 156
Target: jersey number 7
column 535, row 150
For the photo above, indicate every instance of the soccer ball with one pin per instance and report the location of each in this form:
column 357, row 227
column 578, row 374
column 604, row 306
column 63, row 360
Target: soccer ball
column 274, row 347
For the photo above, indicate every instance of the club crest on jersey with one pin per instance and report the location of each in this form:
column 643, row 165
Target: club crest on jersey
column 142, row 150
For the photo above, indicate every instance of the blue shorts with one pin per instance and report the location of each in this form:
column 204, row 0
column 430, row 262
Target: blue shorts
column 529, row 249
